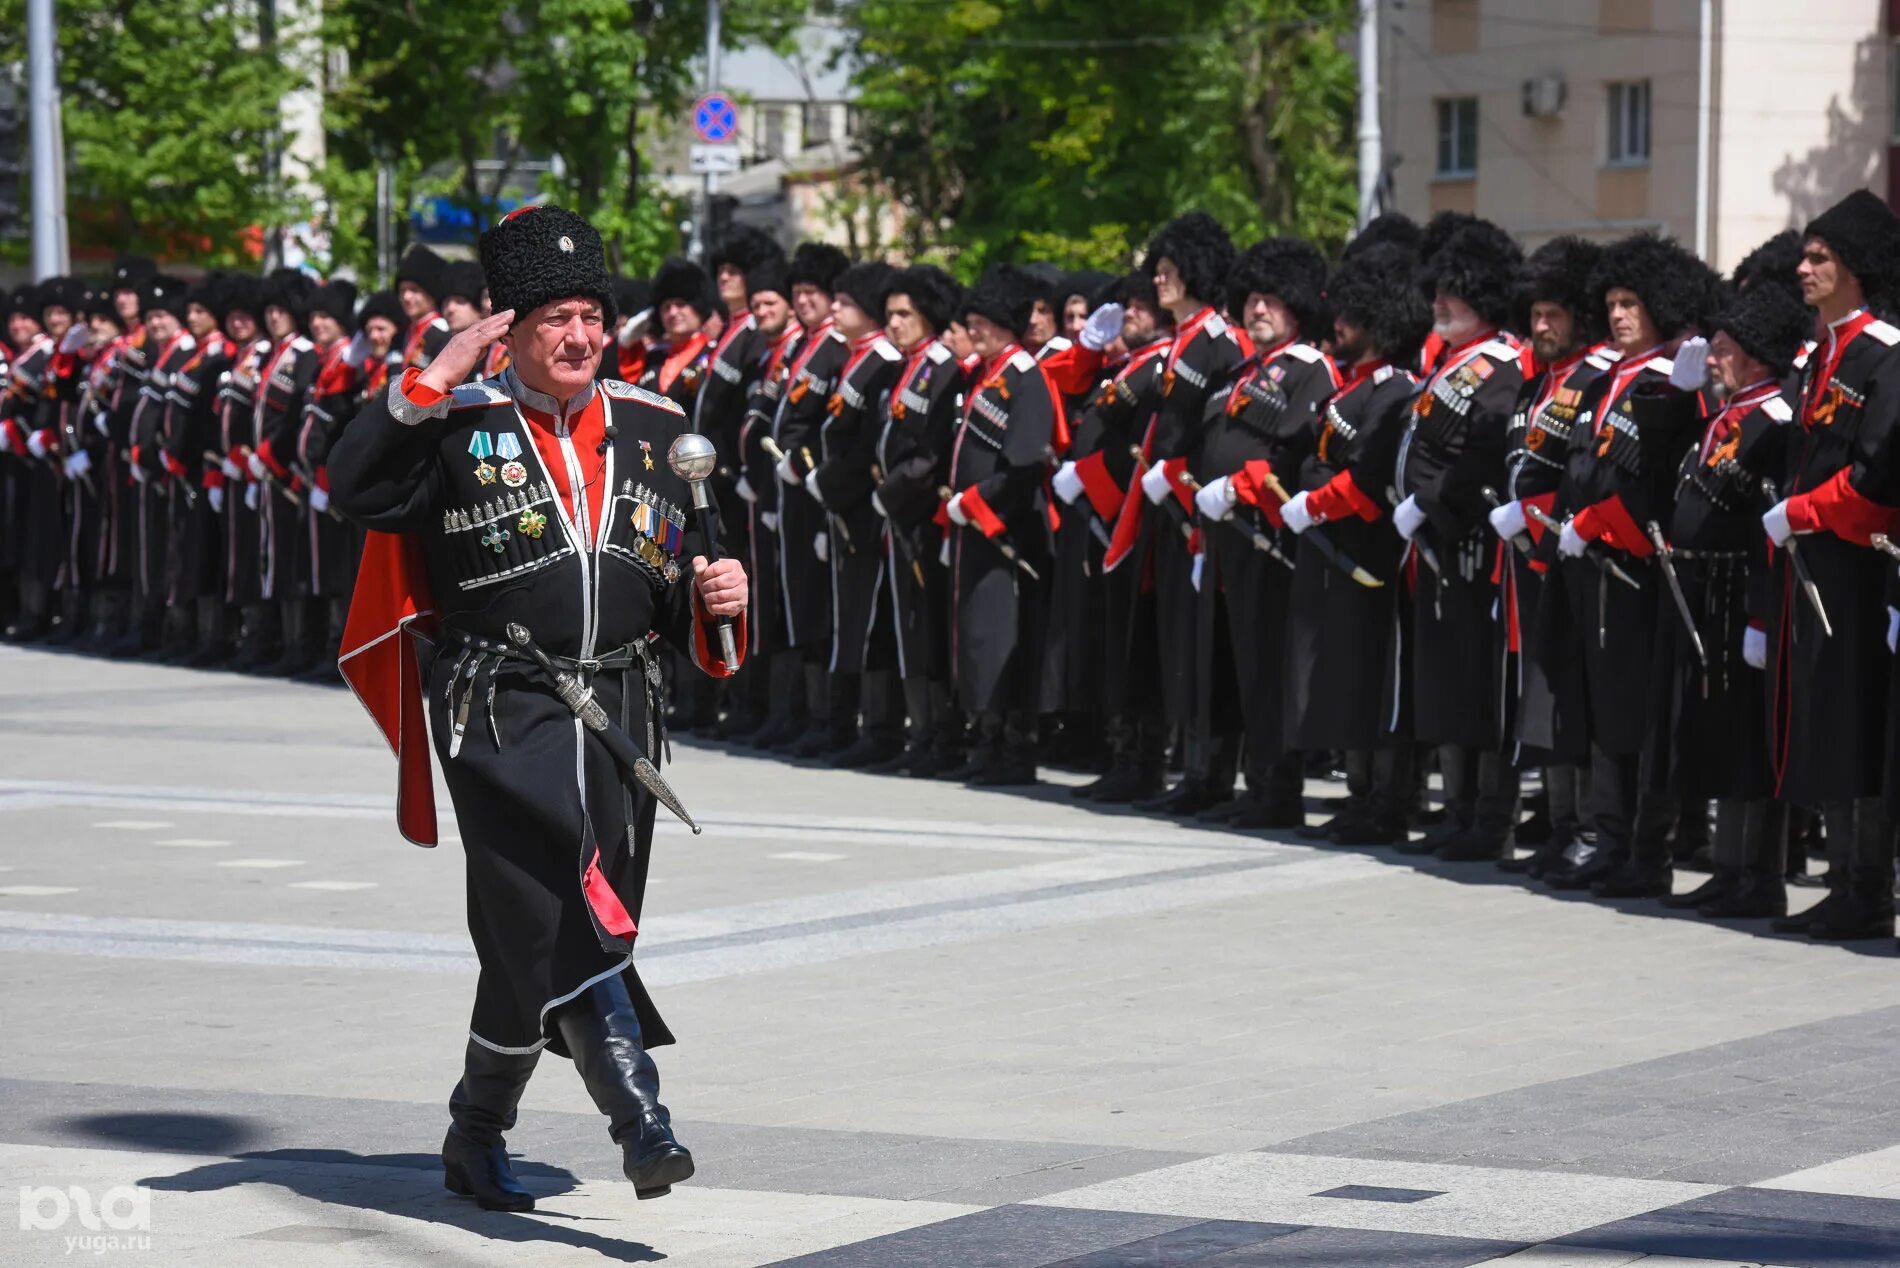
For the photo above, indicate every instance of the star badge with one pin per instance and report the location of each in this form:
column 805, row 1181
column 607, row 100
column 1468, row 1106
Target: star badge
column 485, row 472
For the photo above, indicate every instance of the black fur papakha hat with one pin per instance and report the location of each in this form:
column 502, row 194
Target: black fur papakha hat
column 1006, row 295
column 388, row 306
column 1769, row 324
column 338, row 299
column 540, row 254
column 631, row 295
column 462, row 279
column 166, row 294
column 1478, row 263
column 244, row 293
column 1387, row 228
column 867, row 284
column 816, row 264
column 933, row 292
column 1862, row 230
column 1134, row 287
column 423, row 267
column 130, row 272
column 1201, row 250
column 1773, row 261
column 773, row 274
column 745, row 248
column 212, row 292
column 1671, row 282
column 1558, row 272
column 1293, row 270
column 68, row 293
column 1374, row 291
column 682, row 280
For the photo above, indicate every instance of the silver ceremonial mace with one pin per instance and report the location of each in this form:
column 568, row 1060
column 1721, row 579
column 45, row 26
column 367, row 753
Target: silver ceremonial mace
column 692, row 458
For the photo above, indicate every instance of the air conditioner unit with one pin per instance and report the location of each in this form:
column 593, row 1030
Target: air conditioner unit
column 1544, row 95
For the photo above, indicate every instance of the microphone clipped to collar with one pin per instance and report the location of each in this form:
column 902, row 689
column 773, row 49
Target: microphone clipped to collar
column 612, row 433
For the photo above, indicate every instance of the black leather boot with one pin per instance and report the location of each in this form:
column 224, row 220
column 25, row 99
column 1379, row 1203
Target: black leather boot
column 474, row 1156
column 602, row 1032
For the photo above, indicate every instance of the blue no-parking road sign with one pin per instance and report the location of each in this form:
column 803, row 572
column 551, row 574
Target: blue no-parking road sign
column 715, row 118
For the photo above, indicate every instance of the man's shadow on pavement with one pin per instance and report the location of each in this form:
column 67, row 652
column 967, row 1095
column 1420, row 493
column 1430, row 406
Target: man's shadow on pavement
column 408, row 1200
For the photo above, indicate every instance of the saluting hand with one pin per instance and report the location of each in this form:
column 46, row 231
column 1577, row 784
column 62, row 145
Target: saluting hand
column 465, row 351
column 722, row 586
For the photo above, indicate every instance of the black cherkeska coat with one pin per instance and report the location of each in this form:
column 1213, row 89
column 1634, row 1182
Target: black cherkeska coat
column 556, row 839
column 1266, row 412
column 189, row 433
column 843, row 481
column 1341, row 680
column 999, row 461
column 811, row 377
column 913, row 462
column 1453, row 449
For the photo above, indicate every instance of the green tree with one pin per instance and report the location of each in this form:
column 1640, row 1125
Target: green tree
column 1068, row 130
column 167, row 109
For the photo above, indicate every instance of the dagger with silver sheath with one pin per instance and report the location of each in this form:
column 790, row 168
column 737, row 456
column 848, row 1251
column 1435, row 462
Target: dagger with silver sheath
column 1667, row 558
column 1520, row 541
column 1324, row 544
column 945, row 493
column 1884, row 544
column 581, row 700
column 1593, row 552
column 1800, row 566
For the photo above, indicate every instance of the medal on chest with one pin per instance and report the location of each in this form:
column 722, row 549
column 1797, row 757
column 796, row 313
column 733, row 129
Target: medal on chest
column 514, row 472
column 481, row 446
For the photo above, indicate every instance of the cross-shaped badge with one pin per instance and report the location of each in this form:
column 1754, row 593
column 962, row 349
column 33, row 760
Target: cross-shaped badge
column 496, row 538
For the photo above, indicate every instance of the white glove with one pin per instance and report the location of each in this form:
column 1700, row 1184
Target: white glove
column 635, row 327
column 1408, row 518
column 769, row 519
column 258, row 469
column 1571, row 544
column 821, row 546
column 1294, row 514
column 954, row 509
column 943, row 553
column 1776, row 522
column 6, row 440
column 877, row 504
column 1691, row 366
column 787, row 473
column 1893, row 627
column 78, row 464
column 319, row 500
column 215, row 495
column 1755, row 647
column 231, row 470
column 99, row 422
column 1200, row 563
column 35, row 446
column 1155, row 482
column 1066, row 483
column 1216, row 500
column 745, row 490
column 139, row 474
column 811, row 487
column 250, row 495
column 76, row 338
column 1102, row 327
column 1507, row 521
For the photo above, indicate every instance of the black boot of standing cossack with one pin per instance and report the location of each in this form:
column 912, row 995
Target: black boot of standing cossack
column 474, row 1156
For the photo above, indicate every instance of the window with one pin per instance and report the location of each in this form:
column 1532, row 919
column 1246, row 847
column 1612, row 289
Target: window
column 770, row 139
column 817, row 123
column 1629, row 124
column 1457, row 137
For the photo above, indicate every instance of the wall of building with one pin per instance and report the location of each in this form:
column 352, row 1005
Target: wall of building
column 1801, row 95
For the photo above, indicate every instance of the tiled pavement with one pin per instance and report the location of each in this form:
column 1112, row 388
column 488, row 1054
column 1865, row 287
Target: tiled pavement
column 920, row 1026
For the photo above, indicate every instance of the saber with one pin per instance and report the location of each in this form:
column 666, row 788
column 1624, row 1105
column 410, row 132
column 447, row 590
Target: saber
column 1801, row 567
column 692, row 458
column 1417, row 540
column 1592, row 552
column 944, row 494
column 1181, row 516
column 1521, row 541
column 777, row 455
column 1258, row 539
column 1668, row 560
column 581, row 700
column 1324, row 545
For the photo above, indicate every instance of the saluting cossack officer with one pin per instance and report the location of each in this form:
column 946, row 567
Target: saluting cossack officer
column 528, row 545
